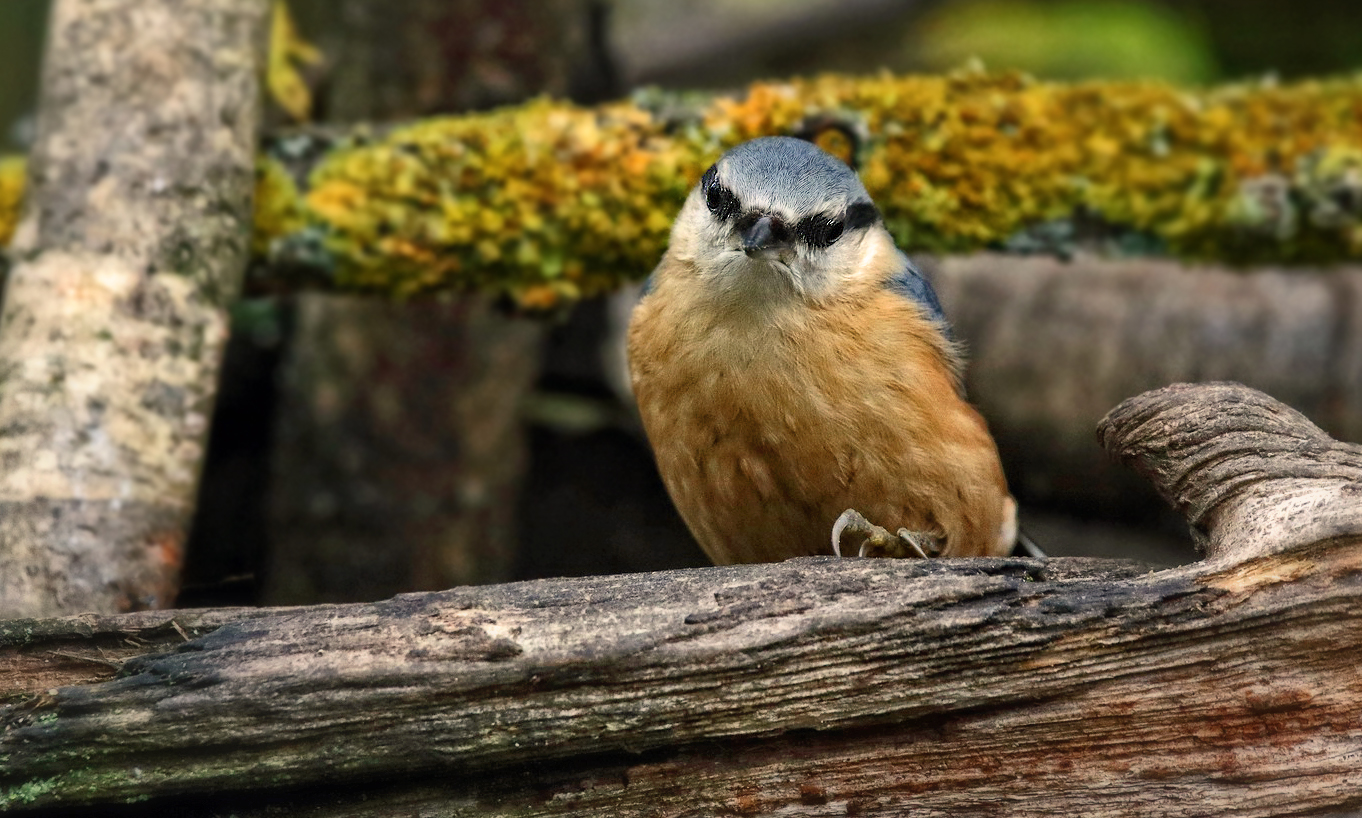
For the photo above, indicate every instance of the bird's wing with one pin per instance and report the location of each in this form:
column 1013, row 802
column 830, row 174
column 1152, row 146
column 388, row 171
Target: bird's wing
column 908, row 282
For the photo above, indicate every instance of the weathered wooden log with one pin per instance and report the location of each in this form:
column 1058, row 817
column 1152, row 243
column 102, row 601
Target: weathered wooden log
column 812, row 687
column 132, row 248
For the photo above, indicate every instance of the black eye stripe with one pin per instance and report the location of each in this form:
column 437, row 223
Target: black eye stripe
column 709, row 177
column 721, row 202
column 815, row 231
column 719, row 199
column 823, row 231
column 819, row 231
column 862, row 214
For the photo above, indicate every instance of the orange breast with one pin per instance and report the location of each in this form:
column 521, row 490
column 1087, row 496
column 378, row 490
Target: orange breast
column 766, row 427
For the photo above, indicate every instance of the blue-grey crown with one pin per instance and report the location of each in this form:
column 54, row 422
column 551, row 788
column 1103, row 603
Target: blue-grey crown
column 791, row 173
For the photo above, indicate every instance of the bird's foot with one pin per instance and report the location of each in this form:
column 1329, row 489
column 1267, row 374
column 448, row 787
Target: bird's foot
column 870, row 540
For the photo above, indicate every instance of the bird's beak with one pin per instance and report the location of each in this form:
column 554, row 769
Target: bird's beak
column 762, row 232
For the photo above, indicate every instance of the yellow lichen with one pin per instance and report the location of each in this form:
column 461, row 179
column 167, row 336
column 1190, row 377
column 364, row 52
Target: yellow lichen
column 542, row 202
column 278, row 206
column 288, row 51
column 11, row 195
column 549, row 193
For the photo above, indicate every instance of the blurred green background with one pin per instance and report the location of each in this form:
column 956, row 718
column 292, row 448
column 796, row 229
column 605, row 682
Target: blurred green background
column 723, row 43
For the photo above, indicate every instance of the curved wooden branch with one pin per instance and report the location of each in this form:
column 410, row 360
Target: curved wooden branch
column 811, row 687
column 1251, row 475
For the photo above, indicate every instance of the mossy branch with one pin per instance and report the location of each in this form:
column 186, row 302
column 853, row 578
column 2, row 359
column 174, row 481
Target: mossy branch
column 548, row 201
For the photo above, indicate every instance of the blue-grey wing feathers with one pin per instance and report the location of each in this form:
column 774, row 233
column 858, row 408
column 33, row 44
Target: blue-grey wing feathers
column 910, row 283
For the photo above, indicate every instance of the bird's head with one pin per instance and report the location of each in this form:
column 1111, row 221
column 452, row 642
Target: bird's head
column 774, row 218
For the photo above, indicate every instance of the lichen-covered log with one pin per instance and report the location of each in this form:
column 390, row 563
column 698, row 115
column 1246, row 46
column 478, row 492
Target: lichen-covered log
column 547, row 201
column 1053, row 344
column 133, row 244
column 814, row 687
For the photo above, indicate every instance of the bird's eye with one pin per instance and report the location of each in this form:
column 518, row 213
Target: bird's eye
column 721, row 201
column 820, row 231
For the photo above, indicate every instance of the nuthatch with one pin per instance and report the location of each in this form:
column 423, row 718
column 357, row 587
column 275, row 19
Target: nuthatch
column 791, row 365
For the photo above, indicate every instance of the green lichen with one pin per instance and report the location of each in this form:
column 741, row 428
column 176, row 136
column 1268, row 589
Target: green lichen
column 544, row 202
column 547, row 202
column 76, row 785
column 278, row 207
column 16, row 632
column 972, row 160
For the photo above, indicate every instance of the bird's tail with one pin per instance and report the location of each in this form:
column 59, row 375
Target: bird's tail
column 1026, row 547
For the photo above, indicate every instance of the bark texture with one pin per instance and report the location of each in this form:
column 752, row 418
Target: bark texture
column 114, row 320
column 1052, row 345
column 408, row 58
column 1207, row 449
column 814, row 687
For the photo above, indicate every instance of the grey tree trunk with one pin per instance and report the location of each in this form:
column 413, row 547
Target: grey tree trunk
column 399, row 448
column 114, row 320
column 814, row 687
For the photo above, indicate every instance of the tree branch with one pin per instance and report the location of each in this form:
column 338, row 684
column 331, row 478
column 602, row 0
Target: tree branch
column 115, row 316
column 1251, row 475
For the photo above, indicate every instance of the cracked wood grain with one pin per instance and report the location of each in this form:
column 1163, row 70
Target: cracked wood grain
column 1251, row 475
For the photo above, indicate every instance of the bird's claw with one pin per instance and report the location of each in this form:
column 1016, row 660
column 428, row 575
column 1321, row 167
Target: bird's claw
column 874, row 541
column 920, row 543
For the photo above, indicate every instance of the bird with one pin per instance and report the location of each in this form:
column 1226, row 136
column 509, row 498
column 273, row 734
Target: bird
column 797, row 379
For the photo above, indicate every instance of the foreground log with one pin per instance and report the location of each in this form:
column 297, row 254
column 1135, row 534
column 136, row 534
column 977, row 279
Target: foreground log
column 811, row 687
column 133, row 246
